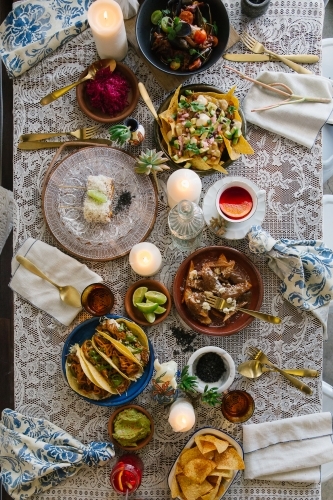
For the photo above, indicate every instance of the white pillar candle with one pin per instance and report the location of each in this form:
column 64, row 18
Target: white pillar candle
column 106, row 21
column 145, row 259
column 183, row 184
column 182, row 416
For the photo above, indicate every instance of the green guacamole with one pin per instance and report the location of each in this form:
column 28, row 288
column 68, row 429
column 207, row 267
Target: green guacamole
column 130, row 426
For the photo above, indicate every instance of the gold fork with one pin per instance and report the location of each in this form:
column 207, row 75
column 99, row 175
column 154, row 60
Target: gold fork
column 220, row 304
column 258, row 48
column 257, row 354
column 80, row 133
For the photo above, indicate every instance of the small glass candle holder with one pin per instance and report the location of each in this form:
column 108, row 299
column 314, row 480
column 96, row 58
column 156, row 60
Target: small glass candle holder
column 126, row 475
column 97, row 299
column 237, row 406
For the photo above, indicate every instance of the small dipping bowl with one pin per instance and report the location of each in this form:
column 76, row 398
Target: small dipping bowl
column 143, row 442
column 237, row 406
column 227, row 377
column 97, row 299
column 242, row 184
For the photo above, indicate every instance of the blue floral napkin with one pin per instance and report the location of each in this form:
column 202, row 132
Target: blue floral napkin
column 34, row 29
column 36, row 455
column 305, row 267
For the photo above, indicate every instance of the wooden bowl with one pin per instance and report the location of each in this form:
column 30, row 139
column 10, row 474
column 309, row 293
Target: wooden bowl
column 134, row 313
column 98, row 115
column 142, row 442
column 240, row 320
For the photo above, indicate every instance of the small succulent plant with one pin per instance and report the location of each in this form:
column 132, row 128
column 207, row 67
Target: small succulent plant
column 211, row 396
column 187, row 383
column 120, row 133
column 151, row 162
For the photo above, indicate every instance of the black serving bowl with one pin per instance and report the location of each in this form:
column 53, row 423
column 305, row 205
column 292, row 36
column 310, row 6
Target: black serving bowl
column 158, row 138
column 144, row 26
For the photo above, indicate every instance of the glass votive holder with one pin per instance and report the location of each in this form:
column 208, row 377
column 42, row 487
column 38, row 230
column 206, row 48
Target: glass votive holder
column 237, row 406
column 97, row 299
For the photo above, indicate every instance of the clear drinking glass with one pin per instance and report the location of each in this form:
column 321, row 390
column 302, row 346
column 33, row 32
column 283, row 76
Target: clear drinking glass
column 237, row 406
column 97, row 299
column 126, row 475
column 186, row 222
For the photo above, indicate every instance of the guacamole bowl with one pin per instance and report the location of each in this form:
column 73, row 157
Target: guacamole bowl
column 121, row 415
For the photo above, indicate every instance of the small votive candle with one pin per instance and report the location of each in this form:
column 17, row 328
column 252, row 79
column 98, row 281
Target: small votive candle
column 182, row 416
column 145, row 259
column 106, row 21
column 183, row 184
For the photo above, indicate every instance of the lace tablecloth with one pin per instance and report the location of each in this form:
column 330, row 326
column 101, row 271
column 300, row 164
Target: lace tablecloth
column 292, row 178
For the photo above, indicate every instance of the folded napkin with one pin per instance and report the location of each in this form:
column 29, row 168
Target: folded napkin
column 61, row 268
column 305, row 267
column 6, row 215
column 36, row 455
column 299, row 122
column 288, row 450
column 36, row 28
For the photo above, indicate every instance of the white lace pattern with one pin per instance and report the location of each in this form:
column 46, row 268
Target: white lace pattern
column 292, row 178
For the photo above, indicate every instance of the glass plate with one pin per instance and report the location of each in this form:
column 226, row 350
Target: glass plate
column 63, row 204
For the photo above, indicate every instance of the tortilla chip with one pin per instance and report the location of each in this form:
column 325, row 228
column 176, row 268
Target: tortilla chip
column 173, row 106
column 221, row 489
column 198, row 469
column 243, row 146
column 232, row 154
column 199, row 163
column 220, row 444
column 175, row 491
column 191, row 490
column 189, row 454
column 227, row 473
column 209, row 455
column 229, row 459
column 178, row 469
column 213, row 493
column 204, row 445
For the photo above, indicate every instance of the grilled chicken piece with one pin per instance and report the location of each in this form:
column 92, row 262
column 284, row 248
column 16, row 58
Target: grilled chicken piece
column 222, row 267
column 210, row 280
column 235, row 291
column 194, row 302
column 237, row 276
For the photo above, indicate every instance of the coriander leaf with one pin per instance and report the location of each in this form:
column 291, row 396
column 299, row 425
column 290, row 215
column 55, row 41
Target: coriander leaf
column 192, row 147
column 188, row 92
column 197, row 106
column 183, row 104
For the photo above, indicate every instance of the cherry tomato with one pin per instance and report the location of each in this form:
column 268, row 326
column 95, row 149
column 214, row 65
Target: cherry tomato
column 186, row 16
column 195, row 65
column 200, row 36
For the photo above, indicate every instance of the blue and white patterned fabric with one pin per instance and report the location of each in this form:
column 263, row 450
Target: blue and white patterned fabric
column 305, row 267
column 36, row 455
column 34, row 29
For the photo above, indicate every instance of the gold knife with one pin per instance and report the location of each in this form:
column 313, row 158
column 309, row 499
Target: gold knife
column 31, row 145
column 302, row 58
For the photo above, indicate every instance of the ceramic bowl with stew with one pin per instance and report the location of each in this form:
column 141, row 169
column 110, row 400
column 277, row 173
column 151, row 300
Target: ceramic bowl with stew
column 247, row 271
column 98, row 115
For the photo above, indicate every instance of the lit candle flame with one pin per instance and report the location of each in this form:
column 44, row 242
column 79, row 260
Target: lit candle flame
column 184, row 184
column 105, row 14
column 145, row 260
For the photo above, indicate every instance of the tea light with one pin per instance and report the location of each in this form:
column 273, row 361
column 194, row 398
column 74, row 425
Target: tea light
column 106, row 21
column 183, row 184
column 182, row 416
column 145, row 259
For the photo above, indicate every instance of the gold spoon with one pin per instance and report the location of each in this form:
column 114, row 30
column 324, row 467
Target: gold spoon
column 92, row 70
column 146, row 98
column 254, row 369
column 68, row 293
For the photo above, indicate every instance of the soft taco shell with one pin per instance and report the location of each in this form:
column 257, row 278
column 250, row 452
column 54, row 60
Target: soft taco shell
column 73, row 382
column 120, row 347
column 104, row 356
column 138, row 332
column 93, row 374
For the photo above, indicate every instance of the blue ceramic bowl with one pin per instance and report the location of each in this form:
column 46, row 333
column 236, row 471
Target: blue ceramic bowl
column 85, row 331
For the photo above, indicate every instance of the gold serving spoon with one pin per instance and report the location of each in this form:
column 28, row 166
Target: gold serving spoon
column 92, row 70
column 68, row 293
column 146, row 98
column 254, row 369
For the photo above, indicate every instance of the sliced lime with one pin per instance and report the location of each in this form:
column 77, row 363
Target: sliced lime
column 150, row 317
column 139, row 295
column 157, row 297
column 147, row 307
column 160, row 310
column 97, row 196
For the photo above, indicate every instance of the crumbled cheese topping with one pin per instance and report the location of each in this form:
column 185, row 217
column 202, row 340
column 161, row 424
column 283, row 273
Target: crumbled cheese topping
column 193, row 274
column 232, row 306
column 217, row 270
column 205, row 306
column 221, row 289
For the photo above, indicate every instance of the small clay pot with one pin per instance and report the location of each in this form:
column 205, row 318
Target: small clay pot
column 142, row 442
column 134, row 313
column 254, row 8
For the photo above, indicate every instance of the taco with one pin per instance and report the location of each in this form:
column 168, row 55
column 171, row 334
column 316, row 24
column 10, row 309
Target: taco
column 79, row 377
column 104, row 373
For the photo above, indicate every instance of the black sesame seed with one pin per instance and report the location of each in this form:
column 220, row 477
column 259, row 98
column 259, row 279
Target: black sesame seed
column 210, row 367
column 184, row 339
column 124, row 200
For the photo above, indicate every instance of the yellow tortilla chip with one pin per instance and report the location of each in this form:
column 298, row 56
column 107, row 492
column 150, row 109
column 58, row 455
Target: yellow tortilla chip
column 191, row 490
column 243, row 146
column 203, row 445
column 228, row 474
column 189, row 454
column 229, row 459
column 233, row 155
column 173, row 106
column 198, row 469
column 213, row 493
column 220, row 444
column 199, row 163
column 209, row 455
column 175, row 490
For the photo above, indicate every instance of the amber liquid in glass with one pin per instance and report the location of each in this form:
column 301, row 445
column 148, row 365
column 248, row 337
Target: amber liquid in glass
column 237, row 406
column 97, row 299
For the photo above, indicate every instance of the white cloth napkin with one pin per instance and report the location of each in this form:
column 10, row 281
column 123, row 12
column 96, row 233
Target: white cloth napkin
column 299, row 122
column 288, row 450
column 6, row 215
column 61, row 268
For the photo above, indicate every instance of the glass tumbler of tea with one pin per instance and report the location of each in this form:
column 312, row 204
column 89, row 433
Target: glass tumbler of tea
column 237, row 406
column 126, row 475
column 97, row 299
